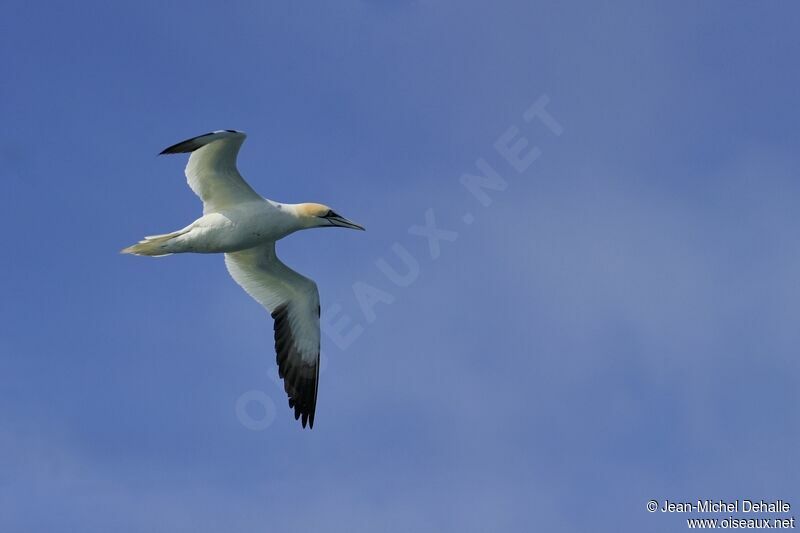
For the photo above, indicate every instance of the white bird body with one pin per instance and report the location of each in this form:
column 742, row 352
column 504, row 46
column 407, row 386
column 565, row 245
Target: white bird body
column 235, row 228
column 244, row 226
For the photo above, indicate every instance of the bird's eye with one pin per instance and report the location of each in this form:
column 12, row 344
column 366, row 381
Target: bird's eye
column 330, row 214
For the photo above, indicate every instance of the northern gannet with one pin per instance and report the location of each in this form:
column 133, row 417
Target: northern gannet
column 244, row 226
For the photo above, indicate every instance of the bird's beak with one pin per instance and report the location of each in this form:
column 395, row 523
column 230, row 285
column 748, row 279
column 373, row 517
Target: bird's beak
column 344, row 223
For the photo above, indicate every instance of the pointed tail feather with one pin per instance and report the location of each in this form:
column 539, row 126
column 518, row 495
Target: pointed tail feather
column 154, row 245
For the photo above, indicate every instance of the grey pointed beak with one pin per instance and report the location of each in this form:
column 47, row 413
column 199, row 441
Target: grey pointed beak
column 344, row 223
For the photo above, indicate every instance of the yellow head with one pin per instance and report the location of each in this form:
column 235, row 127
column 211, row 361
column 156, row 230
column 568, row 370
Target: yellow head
column 321, row 216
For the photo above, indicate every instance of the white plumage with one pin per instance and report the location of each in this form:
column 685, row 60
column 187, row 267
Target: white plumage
column 238, row 222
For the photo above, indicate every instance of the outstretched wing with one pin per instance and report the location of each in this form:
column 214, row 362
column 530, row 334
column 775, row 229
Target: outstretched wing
column 211, row 171
column 293, row 301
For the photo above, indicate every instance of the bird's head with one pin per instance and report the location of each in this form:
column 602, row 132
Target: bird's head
column 322, row 216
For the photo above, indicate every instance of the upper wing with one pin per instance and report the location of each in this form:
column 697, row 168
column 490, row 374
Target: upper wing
column 293, row 301
column 211, row 171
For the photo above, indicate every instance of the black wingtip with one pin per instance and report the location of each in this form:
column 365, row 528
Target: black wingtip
column 300, row 381
column 190, row 145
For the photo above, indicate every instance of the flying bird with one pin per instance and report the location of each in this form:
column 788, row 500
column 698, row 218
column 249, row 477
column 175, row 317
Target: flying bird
column 241, row 224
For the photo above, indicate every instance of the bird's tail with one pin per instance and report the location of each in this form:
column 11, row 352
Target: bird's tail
column 154, row 245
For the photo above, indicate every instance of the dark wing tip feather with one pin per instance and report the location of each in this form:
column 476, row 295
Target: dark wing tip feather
column 300, row 379
column 190, row 145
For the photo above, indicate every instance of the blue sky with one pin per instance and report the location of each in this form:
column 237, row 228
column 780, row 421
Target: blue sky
column 619, row 324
